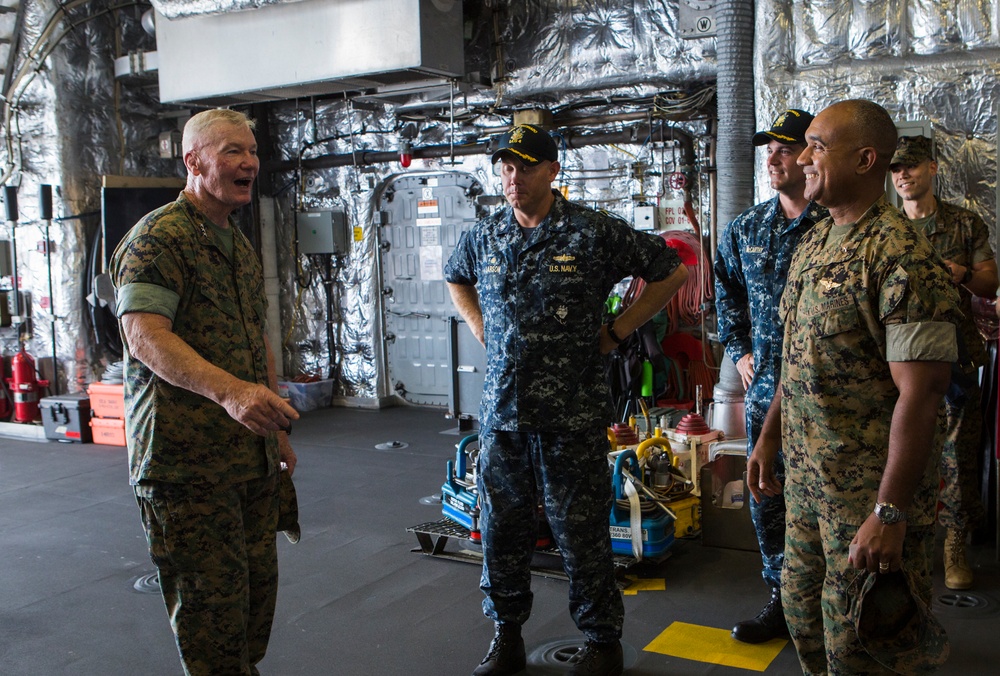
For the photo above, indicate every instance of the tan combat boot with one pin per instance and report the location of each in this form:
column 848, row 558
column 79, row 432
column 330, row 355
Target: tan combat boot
column 957, row 573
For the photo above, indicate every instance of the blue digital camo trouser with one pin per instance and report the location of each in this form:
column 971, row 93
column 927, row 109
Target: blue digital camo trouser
column 768, row 515
column 215, row 549
column 569, row 475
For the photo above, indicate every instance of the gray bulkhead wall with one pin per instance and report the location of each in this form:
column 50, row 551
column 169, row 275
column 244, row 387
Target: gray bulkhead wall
column 920, row 59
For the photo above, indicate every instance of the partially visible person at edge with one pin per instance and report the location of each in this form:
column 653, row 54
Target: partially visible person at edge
column 963, row 241
column 531, row 281
column 203, row 419
column 751, row 266
column 870, row 319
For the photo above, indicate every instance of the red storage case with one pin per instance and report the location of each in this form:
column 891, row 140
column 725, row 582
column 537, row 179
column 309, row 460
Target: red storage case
column 108, row 401
column 108, row 431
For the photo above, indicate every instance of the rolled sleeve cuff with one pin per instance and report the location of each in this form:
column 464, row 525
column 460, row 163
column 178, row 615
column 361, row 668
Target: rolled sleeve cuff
column 921, row 341
column 145, row 297
column 661, row 267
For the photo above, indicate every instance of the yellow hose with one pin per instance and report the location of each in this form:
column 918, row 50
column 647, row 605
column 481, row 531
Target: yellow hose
column 662, row 442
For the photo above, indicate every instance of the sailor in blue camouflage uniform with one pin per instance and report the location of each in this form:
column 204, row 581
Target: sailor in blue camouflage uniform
column 531, row 281
column 202, row 414
column 751, row 266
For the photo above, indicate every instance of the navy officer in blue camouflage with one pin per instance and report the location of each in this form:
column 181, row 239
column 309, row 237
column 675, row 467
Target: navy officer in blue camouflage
column 531, row 281
column 751, row 267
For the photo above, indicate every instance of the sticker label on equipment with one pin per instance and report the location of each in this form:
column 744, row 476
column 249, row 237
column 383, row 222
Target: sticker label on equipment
column 427, row 207
column 431, row 263
column 622, row 533
column 456, row 503
column 421, row 222
column 430, row 236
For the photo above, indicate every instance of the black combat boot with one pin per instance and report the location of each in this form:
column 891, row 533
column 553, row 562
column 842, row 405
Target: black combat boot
column 506, row 655
column 598, row 659
column 770, row 623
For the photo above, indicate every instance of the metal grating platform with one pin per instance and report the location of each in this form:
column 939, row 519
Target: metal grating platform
column 434, row 537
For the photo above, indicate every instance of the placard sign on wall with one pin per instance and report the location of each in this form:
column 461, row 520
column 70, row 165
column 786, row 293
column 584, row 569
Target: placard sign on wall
column 672, row 216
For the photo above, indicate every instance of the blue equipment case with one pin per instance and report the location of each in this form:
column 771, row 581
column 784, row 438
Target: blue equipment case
column 460, row 503
column 657, row 530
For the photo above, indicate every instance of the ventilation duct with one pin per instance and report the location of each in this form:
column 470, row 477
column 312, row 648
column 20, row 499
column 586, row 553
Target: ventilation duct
column 309, row 48
column 735, row 154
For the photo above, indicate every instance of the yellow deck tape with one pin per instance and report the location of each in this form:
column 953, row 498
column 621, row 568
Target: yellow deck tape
column 715, row 646
column 638, row 584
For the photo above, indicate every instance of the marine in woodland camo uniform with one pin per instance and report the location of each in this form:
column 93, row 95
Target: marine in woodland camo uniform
column 183, row 447
column 880, row 294
column 545, row 395
column 751, row 266
column 960, row 236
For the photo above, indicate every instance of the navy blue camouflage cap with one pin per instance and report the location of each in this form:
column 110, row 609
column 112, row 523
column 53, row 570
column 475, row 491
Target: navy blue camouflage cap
column 789, row 128
column 912, row 150
column 527, row 143
column 894, row 625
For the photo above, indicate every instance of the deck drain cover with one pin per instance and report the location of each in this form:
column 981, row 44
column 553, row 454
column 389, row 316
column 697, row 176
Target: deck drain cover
column 431, row 500
column 553, row 657
column 964, row 604
column 391, row 445
column 147, row 584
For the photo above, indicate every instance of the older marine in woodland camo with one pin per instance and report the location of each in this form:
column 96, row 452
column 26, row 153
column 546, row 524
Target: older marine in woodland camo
column 546, row 402
column 206, row 485
column 751, row 267
column 876, row 293
column 220, row 313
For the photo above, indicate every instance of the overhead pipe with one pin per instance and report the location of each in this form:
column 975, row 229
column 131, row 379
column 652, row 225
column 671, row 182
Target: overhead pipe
column 363, row 157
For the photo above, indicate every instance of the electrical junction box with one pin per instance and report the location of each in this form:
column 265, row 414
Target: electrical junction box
column 170, row 145
column 538, row 117
column 645, row 218
column 323, row 232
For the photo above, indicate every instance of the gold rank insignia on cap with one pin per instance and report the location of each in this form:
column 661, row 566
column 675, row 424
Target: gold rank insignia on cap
column 517, row 134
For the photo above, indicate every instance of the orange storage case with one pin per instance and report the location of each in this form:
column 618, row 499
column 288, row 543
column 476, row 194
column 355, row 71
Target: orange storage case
column 108, row 431
column 107, row 401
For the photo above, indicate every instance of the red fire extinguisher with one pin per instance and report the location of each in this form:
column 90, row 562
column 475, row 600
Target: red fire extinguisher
column 25, row 387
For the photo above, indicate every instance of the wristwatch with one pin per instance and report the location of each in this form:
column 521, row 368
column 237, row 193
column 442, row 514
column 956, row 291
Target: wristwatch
column 889, row 513
column 612, row 334
column 967, row 277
